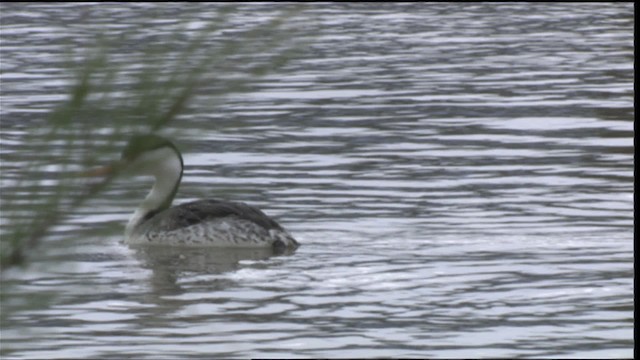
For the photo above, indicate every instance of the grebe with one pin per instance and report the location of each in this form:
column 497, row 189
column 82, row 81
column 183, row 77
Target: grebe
column 206, row 223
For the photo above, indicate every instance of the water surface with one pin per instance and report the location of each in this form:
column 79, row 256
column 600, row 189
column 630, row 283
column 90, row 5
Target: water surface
column 460, row 177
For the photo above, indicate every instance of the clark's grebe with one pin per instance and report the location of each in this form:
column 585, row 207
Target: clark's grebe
column 206, row 223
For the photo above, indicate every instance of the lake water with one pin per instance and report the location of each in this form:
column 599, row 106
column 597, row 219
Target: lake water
column 460, row 177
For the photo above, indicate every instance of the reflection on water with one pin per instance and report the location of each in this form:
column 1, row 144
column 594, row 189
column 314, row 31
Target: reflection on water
column 460, row 178
column 168, row 264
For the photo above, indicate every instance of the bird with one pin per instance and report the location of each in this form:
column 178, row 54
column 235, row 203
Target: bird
column 201, row 223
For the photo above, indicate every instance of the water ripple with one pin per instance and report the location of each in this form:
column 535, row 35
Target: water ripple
column 460, row 178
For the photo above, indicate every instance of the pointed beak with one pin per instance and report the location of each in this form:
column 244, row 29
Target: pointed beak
column 104, row 171
column 101, row 171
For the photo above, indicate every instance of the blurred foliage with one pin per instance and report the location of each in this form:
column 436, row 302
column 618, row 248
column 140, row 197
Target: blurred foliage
column 108, row 98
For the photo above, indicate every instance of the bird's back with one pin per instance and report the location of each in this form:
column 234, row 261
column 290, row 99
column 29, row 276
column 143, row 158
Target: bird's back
column 212, row 222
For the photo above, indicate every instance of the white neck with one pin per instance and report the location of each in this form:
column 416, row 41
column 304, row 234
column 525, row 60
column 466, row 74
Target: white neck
column 165, row 165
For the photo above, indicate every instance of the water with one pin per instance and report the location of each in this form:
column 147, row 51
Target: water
column 460, row 177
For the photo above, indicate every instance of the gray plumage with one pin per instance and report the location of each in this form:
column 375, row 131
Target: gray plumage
column 212, row 222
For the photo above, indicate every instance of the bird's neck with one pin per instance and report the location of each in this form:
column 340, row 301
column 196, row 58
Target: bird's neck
column 168, row 174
